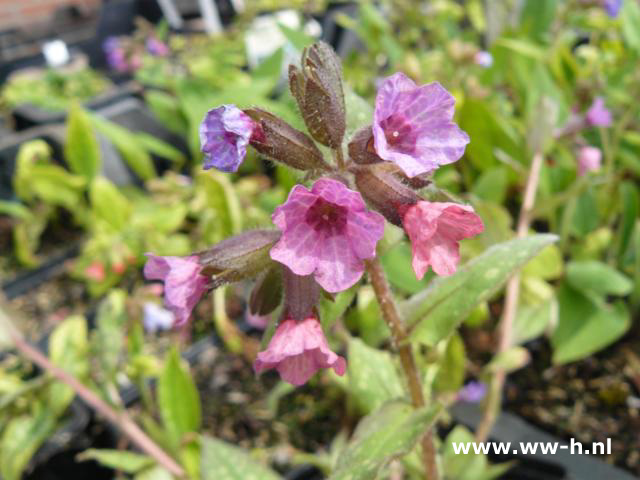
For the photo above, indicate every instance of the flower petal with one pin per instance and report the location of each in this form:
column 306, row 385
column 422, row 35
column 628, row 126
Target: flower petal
column 338, row 266
column 364, row 229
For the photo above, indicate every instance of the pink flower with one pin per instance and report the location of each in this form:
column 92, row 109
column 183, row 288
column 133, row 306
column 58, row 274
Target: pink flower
column 225, row 133
column 413, row 126
column 589, row 160
column 435, row 230
column 326, row 231
column 183, row 283
column 298, row 350
column 598, row 114
column 95, row 272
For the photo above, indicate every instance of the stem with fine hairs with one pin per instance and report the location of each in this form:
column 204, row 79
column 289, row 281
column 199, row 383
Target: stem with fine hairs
column 121, row 419
column 512, row 294
column 400, row 340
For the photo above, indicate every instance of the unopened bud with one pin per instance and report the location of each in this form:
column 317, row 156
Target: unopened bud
column 238, row 257
column 267, row 292
column 301, row 294
column 317, row 88
column 283, row 143
column 385, row 193
column 361, row 149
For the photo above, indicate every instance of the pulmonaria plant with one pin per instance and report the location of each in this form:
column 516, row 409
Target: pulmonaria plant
column 327, row 233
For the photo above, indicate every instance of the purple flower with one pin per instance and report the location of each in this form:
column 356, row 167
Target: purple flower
column 256, row 320
column 156, row 318
column 483, row 58
column 225, row 133
column 472, row 392
column 183, row 283
column 435, row 229
column 157, row 47
column 413, row 126
column 598, row 114
column 326, row 231
column 612, row 7
column 298, row 350
column 115, row 53
column 589, row 160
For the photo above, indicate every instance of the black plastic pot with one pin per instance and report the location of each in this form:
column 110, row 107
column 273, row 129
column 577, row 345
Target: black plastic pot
column 10, row 145
column 27, row 115
column 511, row 428
column 304, row 472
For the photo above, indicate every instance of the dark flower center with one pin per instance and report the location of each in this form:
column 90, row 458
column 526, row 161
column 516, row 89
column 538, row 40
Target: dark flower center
column 399, row 133
column 326, row 217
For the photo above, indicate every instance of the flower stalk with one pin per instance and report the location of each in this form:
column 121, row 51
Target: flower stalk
column 400, row 340
column 512, row 294
column 120, row 420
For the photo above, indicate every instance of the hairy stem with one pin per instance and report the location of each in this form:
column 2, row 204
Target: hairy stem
column 512, row 294
column 121, row 420
column 407, row 360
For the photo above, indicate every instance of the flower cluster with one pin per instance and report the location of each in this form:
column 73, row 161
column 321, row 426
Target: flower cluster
column 125, row 56
column 327, row 232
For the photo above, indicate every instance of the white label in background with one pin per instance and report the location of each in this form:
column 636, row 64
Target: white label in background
column 264, row 36
column 55, row 53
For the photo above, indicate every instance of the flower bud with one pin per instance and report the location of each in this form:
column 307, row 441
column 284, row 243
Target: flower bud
column 385, row 193
column 283, row 143
column 361, row 149
column 238, row 257
column 267, row 292
column 317, row 88
column 301, row 294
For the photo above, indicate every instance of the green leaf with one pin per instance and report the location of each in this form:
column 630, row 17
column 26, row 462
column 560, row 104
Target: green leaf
column 450, row 376
column 222, row 205
column 154, row 473
column 510, row 360
column 489, row 132
column 547, row 264
column 532, row 320
column 14, row 209
column 166, row 108
column 436, row 312
column 178, row 399
column 34, row 152
column 160, row 148
column 585, row 327
column 469, row 466
column 387, row 433
column 109, row 204
column 297, row 38
column 366, row 318
column 270, row 67
column 129, row 145
column 492, row 185
column 523, row 47
column 397, row 265
column 21, row 438
column 630, row 201
column 221, row 461
column 82, row 150
column 330, row 310
column 630, row 19
column 107, row 339
column 123, row 460
column 373, row 378
column 69, row 350
column 591, row 276
column 359, row 111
